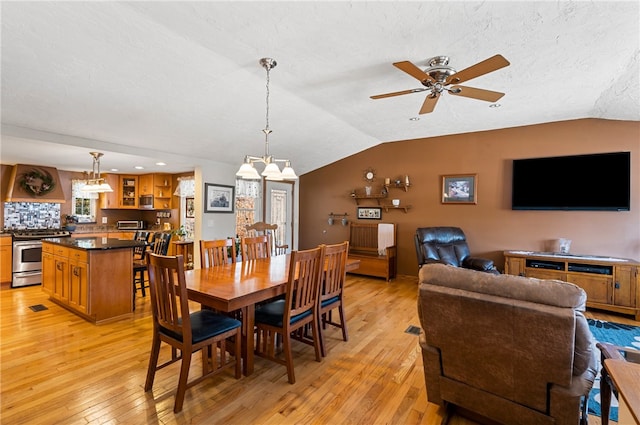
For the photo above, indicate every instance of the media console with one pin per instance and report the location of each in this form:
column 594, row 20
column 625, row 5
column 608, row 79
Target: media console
column 611, row 284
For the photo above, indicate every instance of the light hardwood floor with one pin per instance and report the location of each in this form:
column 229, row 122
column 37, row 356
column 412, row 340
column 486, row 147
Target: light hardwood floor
column 59, row 369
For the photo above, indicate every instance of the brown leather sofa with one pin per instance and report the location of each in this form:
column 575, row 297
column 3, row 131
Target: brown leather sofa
column 448, row 245
column 512, row 349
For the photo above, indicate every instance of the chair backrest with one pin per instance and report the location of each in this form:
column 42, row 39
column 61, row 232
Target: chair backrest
column 138, row 251
column 169, row 301
column 260, row 228
column 447, row 244
column 305, row 276
column 217, row 252
column 160, row 243
column 256, row 247
column 335, row 260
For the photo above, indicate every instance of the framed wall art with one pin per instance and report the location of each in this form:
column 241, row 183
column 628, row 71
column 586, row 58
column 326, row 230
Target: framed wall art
column 218, row 198
column 190, row 207
column 370, row 213
column 459, row 189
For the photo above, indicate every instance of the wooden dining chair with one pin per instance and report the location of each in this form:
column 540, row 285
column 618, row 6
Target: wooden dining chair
column 254, row 248
column 331, row 289
column 187, row 332
column 217, row 252
column 260, row 228
column 294, row 313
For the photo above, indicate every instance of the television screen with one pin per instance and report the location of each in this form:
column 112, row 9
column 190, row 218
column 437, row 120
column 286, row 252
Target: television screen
column 594, row 182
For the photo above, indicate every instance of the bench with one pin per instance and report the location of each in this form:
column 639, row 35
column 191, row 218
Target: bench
column 363, row 246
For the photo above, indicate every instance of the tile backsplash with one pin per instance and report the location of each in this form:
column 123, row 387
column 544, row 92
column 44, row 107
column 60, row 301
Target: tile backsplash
column 31, row 215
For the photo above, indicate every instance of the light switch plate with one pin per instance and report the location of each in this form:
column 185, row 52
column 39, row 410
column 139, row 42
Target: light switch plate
column 104, row 220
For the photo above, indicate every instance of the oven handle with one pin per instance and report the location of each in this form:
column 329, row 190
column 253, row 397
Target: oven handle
column 27, row 244
column 27, row 274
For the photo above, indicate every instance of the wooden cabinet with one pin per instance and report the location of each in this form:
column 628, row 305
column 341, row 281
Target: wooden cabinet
column 6, row 260
column 610, row 283
column 145, row 182
column 128, row 192
column 95, row 284
column 110, row 199
column 79, row 281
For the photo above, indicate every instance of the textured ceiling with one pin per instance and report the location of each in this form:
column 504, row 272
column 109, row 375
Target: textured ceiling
column 180, row 81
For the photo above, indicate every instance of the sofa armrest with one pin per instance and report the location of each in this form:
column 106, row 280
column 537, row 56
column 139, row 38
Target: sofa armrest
column 477, row 263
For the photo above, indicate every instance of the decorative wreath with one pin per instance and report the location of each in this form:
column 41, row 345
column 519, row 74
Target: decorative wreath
column 37, row 182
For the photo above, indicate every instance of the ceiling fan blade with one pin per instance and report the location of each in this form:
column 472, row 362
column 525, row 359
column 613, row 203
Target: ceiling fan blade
column 429, row 103
column 486, row 66
column 397, row 93
column 414, row 71
column 474, row 93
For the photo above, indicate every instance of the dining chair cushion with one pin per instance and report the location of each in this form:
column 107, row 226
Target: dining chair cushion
column 272, row 314
column 205, row 324
column 330, row 301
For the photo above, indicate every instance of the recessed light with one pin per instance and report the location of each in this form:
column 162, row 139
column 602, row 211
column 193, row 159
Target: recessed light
column 414, row 119
column 161, row 163
column 114, row 169
column 138, row 167
column 495, row 105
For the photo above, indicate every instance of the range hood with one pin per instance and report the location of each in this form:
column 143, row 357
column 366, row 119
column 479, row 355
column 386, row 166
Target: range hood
column 33, row 183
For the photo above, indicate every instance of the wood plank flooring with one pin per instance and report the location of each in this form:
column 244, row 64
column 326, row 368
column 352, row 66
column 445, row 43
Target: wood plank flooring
column 59, row 369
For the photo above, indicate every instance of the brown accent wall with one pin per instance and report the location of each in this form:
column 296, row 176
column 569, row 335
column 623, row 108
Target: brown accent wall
column 491, row 226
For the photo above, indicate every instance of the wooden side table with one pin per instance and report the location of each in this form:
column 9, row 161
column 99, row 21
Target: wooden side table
column 184, row 248
column 621, row 374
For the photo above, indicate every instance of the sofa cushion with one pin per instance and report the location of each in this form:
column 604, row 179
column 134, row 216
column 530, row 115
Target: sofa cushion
column 550, row 292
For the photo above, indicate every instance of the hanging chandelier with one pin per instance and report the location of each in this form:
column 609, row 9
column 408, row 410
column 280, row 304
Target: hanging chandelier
column 271, row 170
column 96, row 184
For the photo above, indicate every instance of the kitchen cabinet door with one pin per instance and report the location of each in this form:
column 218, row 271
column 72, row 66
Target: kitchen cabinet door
column 79, row 286
column 61, row 278
column 48, row 273
column 6, row 265
column 128, row 192
column 110, row 199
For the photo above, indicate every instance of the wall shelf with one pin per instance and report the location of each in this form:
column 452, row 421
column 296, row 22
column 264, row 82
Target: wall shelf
column 359, row 198
column 404, row 208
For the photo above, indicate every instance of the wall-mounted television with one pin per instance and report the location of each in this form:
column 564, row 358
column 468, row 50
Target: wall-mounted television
column 593, row 182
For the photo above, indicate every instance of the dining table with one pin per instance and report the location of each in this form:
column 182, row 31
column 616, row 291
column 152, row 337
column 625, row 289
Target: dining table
column 240, row 286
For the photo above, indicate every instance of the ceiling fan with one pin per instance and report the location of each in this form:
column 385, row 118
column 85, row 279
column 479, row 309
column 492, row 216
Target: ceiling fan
column 437, row 78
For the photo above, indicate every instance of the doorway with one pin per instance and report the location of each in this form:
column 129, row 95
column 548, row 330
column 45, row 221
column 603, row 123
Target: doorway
column 278, row 209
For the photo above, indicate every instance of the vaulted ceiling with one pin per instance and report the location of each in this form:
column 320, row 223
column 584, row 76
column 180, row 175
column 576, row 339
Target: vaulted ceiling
column 180, row 82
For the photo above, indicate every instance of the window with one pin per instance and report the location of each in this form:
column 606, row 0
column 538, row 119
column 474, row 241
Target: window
column 83, row 204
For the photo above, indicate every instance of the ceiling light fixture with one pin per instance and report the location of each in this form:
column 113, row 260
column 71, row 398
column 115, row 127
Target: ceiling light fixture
column 271, row 170
column 96, row 184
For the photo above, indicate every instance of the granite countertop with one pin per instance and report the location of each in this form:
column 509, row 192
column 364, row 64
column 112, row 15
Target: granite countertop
column 92, row 243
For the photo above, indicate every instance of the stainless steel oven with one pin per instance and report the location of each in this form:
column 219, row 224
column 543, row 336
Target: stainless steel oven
column 27, row 255
column 27, row 263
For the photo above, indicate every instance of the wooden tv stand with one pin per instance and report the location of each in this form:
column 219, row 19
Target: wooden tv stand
column 611, row 284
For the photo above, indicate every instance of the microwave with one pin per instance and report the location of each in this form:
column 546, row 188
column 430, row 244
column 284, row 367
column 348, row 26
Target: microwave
column 146, row 202
column 130, row 224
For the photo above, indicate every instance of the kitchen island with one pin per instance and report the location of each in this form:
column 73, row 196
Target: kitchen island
column 92, row 277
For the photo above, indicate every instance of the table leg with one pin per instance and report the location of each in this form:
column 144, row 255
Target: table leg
column 248, row 322
column 605, row 396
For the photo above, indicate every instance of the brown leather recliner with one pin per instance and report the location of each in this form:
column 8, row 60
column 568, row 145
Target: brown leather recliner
column 508, row 348
column 448, row 245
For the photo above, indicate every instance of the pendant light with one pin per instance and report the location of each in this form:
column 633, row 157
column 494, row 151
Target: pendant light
column 271, row 170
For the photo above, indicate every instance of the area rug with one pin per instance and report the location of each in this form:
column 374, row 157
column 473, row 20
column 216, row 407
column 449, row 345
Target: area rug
column 617, row 334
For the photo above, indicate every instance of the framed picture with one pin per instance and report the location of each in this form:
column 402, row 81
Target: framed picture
column 190, row 207
column 370, row 213
column 459, row 189
column 218, row 198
